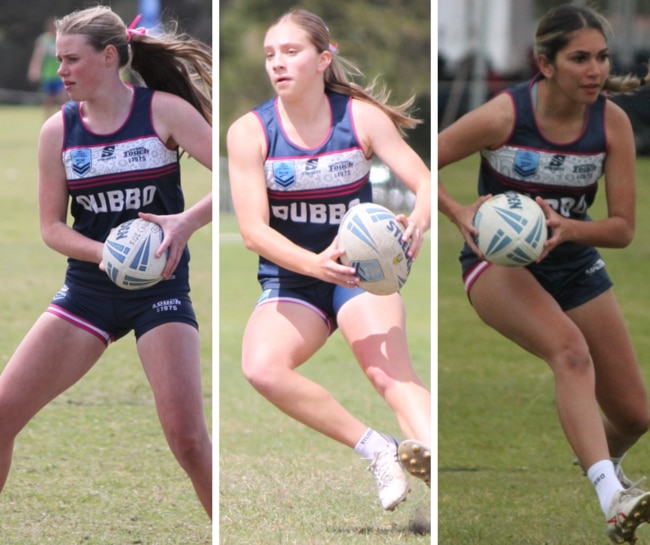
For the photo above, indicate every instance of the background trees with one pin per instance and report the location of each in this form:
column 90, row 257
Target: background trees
column 386, row 38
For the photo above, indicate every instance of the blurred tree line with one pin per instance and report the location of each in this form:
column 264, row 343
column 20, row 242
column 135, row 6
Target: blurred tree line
column 21, row 22
column 386, row 38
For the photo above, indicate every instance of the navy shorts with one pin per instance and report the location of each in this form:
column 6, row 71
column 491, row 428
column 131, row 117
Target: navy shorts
column 324, row 298
column 110, row 318
column 571, row 282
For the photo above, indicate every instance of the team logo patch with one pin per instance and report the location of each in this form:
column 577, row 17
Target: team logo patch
column 526, row 163
column 108, row 152
column 284, row 173
column 81, row 161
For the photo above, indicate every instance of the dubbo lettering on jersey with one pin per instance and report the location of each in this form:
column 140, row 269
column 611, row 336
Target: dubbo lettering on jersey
column 117, row 177
column 318, row 189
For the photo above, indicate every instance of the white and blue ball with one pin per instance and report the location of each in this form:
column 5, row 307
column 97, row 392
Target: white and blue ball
column 511, row 229
column 130, row 254
column 372, row 239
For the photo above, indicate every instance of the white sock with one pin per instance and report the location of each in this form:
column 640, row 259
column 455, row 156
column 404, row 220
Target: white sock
column 603, row 476
column 370, row 443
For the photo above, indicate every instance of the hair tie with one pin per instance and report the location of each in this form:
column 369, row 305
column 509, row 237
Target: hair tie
column 334, row 48
column 131, row 30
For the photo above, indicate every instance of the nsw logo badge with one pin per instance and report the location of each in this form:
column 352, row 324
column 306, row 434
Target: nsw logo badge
column 81, row 161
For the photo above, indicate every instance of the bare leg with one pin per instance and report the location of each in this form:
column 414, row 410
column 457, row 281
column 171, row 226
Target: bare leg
column 374, row 326
column 53, row 356
column 280, row 337
column 171, row 360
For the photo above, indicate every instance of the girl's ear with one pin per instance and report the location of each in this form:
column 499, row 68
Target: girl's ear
column 545, row 66
column 324, row 61
column 110, row 55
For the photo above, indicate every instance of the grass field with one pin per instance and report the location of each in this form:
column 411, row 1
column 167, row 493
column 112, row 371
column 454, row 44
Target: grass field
column 505, row 469
column 93, row 467
column 281, row 483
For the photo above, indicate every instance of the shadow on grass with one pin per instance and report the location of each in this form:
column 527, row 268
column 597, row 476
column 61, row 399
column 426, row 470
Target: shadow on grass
column 417, row 526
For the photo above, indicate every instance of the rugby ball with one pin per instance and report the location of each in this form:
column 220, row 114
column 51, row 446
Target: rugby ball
column 130, row 254
column 372, row 239
column 511, row 229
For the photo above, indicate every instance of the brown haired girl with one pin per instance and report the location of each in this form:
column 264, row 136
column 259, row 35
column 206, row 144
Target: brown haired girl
column 552, row 138
column 110, row 155
column 289, row 207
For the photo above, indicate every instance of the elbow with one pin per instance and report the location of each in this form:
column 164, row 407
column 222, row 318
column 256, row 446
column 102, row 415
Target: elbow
column 250, row 242
column 46, row 237
column 626, row 235
column 627, row 238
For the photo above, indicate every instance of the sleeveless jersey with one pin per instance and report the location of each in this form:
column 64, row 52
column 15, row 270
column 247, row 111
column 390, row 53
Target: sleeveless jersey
column 309, row 190
column 565, row 175
column 111, row 178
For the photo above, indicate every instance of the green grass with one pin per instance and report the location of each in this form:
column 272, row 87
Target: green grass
column 282, row 483
column 505, row 468
column 93, row 467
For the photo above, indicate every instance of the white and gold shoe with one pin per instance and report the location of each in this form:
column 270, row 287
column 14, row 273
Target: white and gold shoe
column 392, row 484
column 630, row 508
column 415, row 457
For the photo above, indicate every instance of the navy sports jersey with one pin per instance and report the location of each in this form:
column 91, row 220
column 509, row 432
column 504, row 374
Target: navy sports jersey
column 112, row 177
column 309, row 190
column 565, row 175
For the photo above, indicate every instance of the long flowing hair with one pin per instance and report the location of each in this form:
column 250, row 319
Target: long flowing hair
column 339, row 73
column 168, row 61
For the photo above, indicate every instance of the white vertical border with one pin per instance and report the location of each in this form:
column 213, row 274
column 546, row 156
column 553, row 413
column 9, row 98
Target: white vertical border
column 434, row 275
column 215, row 271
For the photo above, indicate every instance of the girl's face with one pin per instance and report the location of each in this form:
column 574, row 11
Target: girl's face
column 581, row 68
column 81, row 68
column 292, row 62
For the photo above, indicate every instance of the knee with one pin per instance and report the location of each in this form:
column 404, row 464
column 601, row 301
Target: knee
column 189, row 446
column 386, row 380
column 572, row 358
column 635, row 425
column 260, row 374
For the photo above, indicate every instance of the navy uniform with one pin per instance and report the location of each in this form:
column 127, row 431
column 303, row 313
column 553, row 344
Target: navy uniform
column 112, row 177
column 566, row 177
column 309, row 191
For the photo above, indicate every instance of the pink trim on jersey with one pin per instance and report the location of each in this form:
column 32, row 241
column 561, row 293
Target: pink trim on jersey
column 474, row 273
column 354, row 128
column 102, row 335
column 266, row 136
column 324, row 154
column 325, row 317
column 126, row 120
column 281, row 125
column 605, row 131
column 319, row 193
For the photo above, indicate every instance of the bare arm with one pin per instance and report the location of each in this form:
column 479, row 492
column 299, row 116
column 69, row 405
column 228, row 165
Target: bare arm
column 485, row 127
column 617, row 229
column 178, row 123
column 380, row 136
column 246, row 155
column 53, row 198
column 34, row 70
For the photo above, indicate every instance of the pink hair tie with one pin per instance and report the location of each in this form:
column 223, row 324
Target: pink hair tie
column 334, row 48
column 132, row 31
